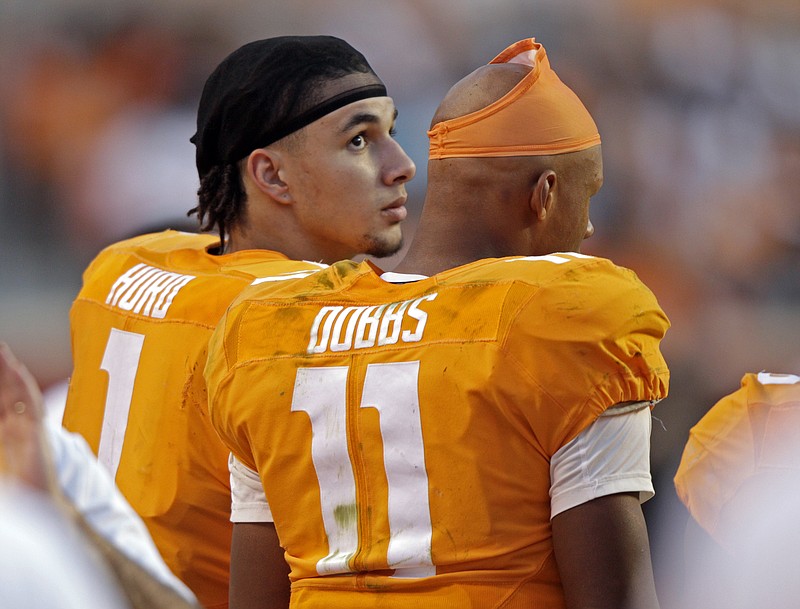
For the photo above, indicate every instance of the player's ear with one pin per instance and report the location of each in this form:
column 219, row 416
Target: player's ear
column 264, row 169
column 543, row 194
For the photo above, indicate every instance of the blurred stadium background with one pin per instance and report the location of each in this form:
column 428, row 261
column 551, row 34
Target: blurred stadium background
column 698, row 105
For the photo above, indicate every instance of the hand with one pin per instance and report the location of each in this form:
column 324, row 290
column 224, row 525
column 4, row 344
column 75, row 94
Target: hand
column 24, row 452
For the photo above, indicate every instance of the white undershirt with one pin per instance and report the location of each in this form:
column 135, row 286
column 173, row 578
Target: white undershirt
column 610, row 456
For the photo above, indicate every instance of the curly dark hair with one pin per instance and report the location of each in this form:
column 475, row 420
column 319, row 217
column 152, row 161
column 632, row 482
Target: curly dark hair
column 220, row 200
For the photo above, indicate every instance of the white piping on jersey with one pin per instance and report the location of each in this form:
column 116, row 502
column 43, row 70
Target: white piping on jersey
column 554, row 258
column 768, row 378
column 284, row 276
column 392, row 277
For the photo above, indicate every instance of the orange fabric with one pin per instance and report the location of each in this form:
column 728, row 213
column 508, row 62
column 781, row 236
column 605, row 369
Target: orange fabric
column 539, row 116
column 745, row 438
column 367, row 409
column 164, row 292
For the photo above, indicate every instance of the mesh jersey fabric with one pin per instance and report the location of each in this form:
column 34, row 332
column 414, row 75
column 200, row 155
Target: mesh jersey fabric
column 747, row 437
column 140, row 328
column 412, row 425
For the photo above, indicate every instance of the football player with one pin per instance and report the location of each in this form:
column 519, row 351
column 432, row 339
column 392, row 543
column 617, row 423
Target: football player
column 298, row 168
column 471, row 430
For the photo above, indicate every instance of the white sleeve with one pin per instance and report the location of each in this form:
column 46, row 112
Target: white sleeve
column 610, row 456
column 44, row 560
column 248, row 501
column 90, row 488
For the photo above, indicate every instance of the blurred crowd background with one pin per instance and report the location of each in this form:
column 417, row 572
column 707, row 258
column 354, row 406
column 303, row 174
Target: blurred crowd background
column 697, row 102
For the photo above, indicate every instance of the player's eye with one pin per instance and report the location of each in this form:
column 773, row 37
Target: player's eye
column 358, row 142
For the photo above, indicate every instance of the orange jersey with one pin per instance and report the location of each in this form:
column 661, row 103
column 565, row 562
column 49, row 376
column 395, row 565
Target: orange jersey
column 403, row 433
column 727, row 472
column 140, row 329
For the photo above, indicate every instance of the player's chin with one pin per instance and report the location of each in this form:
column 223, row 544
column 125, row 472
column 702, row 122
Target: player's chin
column 386, row 243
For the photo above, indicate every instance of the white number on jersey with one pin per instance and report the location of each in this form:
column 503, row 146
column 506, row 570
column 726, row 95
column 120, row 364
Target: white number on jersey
column 391, row 389
column 121, row 361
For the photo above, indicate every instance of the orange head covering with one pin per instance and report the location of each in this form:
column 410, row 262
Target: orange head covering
column 539, row 116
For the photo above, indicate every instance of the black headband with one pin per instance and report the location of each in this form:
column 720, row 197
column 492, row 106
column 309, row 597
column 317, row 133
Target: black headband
column 261, row 92
column 317, row 112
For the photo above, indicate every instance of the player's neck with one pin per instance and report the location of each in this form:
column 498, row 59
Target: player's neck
column 433, row 252
column 445, row 239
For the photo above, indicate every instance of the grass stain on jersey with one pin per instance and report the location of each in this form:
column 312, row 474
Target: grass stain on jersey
column 346, row 515
column 287, row 314
column 325, row 281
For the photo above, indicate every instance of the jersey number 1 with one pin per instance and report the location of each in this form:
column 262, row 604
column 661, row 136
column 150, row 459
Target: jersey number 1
column 391, row 389
column 120, row 361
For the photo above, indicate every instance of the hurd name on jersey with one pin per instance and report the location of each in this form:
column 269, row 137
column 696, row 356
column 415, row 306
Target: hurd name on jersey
column 146, row 290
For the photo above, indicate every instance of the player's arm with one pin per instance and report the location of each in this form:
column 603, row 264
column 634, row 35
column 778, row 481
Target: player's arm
column 603, row 554
column 259, row 573
column 598, row 481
